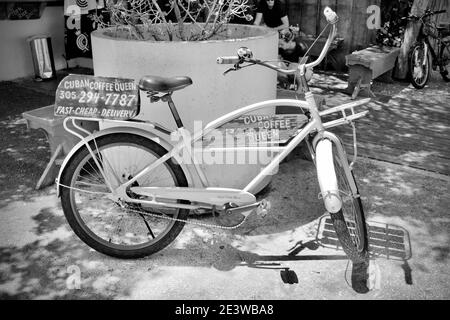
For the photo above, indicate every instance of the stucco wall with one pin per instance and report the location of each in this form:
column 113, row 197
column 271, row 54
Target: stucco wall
column 15, row 53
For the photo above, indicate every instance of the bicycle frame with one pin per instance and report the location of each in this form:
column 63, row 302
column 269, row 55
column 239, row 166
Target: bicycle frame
column 112, row 182
column 211, row 198
column 208, row 197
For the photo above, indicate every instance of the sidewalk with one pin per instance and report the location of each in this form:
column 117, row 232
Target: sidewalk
column 404, row 182
column 405, row 126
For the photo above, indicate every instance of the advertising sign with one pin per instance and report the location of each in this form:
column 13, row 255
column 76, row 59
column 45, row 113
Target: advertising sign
column 251, row 130
column 97, row 97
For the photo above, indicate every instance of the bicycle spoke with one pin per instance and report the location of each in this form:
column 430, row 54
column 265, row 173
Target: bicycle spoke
column 94, row 178
column 120, row 224
column 110, row 167
column 348, row 207
column 148, row 227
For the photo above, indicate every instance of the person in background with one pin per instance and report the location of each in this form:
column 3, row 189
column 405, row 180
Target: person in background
column 272, row 13
column 290, row 50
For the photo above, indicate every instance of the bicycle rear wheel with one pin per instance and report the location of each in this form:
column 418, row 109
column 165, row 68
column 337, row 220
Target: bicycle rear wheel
column 122, row 230
column 349, row 223
column 419, row 66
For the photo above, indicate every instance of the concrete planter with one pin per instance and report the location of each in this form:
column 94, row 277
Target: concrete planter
column 211, row 95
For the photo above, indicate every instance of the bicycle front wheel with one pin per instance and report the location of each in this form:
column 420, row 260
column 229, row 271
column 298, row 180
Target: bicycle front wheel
column 349, row 223
column 419, row 67
column 122, row 230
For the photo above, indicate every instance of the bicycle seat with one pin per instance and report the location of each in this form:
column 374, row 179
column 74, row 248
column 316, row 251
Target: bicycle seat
column 163, row 84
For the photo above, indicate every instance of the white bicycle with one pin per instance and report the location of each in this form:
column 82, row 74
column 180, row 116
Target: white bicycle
column 125, row 193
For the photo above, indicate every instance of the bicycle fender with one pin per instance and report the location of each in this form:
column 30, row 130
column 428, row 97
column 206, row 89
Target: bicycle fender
column 327, row 176
column 149, row 134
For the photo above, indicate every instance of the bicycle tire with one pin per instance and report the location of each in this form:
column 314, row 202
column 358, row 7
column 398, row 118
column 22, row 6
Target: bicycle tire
column 416, row 81
column 446, row 73
column 349, row 222
column 80, row 173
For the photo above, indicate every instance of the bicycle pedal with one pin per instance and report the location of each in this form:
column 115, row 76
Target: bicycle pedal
column 263, row 209
column 288, row 276
column 262, row 213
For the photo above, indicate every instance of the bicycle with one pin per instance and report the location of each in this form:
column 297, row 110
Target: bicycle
column 420, row 61
column 101, row 184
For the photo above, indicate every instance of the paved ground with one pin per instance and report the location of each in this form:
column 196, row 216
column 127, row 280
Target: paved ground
column 40, row 258
column 405, row 126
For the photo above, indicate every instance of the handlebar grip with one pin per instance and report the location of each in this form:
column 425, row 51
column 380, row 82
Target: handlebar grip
column 228, row 60
column 330, row 15
column 440, row 11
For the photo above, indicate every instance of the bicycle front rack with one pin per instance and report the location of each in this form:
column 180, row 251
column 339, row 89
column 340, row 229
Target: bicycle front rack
column 385, row 240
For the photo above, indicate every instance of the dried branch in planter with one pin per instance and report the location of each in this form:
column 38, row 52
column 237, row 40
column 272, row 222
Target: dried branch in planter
column 168, row 19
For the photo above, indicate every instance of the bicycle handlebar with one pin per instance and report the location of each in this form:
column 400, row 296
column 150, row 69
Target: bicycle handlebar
column 332, row 19
column 228, row 60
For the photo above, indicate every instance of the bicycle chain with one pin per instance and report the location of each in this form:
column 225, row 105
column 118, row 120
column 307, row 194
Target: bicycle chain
column 195, row 222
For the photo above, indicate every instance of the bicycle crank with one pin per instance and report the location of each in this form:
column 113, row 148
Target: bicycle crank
column 231, row 214
column 260, row 208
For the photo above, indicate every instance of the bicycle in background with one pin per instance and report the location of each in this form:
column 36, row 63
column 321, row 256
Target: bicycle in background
column 423, row 57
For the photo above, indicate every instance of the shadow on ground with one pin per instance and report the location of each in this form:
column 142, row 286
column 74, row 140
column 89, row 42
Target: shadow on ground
column 404, row 126
column 24, row 155
column 44, row 261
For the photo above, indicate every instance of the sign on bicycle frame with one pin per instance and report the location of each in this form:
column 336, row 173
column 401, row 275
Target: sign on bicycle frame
column 97, row 97
column 253, row 129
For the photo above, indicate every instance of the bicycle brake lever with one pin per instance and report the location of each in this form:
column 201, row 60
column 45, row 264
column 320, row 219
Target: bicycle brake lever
column 235, row 68
column 231, row 69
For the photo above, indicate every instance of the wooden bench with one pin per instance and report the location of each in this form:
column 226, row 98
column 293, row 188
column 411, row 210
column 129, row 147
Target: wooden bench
column 369, row 64
column 60, row 141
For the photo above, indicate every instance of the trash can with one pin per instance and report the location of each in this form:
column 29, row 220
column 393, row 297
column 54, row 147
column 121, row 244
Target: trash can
column 41, row 51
